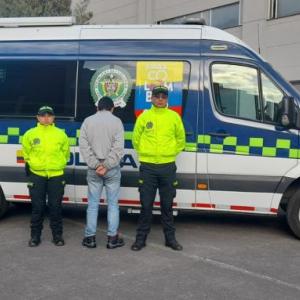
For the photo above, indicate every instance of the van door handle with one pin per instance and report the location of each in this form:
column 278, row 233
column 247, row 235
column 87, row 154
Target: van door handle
column 219, row 134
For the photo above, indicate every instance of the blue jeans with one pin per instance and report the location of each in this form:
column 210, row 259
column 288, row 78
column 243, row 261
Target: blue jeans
column 111, row 180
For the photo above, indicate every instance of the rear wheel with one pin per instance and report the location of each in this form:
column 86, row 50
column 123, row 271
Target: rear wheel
column 293, row 214
column 3, row 204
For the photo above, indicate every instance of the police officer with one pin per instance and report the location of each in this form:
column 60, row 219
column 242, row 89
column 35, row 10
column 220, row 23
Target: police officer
column 46, row 153
column 158, row 137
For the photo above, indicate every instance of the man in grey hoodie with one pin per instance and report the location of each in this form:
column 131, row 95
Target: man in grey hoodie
column 101, row 144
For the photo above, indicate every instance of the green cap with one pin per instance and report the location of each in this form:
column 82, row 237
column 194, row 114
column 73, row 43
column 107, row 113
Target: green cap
column 45, row 110
column 160, row 90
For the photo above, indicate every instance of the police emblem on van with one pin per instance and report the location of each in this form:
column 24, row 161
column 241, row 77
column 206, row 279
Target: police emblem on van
column 112, row 81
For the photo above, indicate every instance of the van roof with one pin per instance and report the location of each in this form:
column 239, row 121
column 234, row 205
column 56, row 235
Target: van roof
column 123, row 32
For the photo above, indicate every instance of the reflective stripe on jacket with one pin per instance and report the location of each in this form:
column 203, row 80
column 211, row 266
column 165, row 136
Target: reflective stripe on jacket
column 46, row 150
column 158, row 135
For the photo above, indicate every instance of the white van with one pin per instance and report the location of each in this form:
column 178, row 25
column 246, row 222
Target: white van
column 241, row 117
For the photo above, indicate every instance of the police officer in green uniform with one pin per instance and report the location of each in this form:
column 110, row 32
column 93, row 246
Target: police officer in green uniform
column 158, row 137
column 46, row 153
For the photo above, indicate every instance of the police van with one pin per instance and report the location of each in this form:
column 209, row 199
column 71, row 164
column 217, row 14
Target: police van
column 241, row 117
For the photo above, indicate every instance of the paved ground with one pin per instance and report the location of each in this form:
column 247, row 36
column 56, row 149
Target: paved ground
column 224, row 257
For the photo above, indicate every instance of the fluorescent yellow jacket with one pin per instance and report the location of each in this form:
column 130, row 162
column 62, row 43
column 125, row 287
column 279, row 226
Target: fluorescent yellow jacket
column 158, row 135
column 46, row 150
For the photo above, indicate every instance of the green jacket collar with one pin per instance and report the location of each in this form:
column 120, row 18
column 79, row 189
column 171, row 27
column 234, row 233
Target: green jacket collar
column 39, row 125
column 158, row 110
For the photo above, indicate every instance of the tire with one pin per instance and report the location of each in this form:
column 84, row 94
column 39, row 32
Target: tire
column 3, row 204
column 293, row 214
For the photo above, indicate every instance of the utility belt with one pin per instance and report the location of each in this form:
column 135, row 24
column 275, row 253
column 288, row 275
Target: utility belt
column 157, row 166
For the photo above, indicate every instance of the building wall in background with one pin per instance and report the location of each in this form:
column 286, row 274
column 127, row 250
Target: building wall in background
column 262, row 24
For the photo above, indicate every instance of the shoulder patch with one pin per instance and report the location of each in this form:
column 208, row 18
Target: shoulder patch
column 149, row 125
column 36, row 141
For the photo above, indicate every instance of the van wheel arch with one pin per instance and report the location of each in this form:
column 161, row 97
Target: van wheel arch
column 3, row 204
column 288, row 194
column 290, row 203
column 293, row 214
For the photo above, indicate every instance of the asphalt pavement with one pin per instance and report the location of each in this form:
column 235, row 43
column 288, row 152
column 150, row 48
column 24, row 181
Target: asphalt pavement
column 224, row 257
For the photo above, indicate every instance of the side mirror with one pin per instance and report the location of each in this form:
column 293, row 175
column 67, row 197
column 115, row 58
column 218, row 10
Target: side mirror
column 288, row 112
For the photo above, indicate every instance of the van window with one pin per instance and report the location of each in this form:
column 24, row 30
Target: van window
column 129, row 84
column 236, row 90
column 27, row 85
column 272, row 97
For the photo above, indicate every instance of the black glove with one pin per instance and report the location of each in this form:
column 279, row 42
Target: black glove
column 27, row 169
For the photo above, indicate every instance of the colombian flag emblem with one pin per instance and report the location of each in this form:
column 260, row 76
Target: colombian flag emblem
column 20, row 158
column 153, row 73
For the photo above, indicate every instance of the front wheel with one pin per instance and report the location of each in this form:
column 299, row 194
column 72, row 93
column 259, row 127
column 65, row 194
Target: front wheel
column 3, row 204
column 293, row 214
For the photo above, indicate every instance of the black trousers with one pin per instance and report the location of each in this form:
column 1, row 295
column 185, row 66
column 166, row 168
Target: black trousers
column 163, row 178
column 39, row 188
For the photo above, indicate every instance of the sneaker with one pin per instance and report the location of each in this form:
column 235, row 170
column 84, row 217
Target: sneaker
column 34, row 242
column 114, row 242
column 89, row 241
column 58, row 241
column 138, row 245
column 174, row 245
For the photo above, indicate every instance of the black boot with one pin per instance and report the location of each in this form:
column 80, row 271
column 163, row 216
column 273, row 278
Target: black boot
column 173, row 244
column 114, row 242
column 34, row 241
column 138, row 245
column 89, row 241
column 58, row 240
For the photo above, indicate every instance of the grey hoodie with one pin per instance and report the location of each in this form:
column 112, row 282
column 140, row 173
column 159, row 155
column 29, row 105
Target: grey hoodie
column 101, row 140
